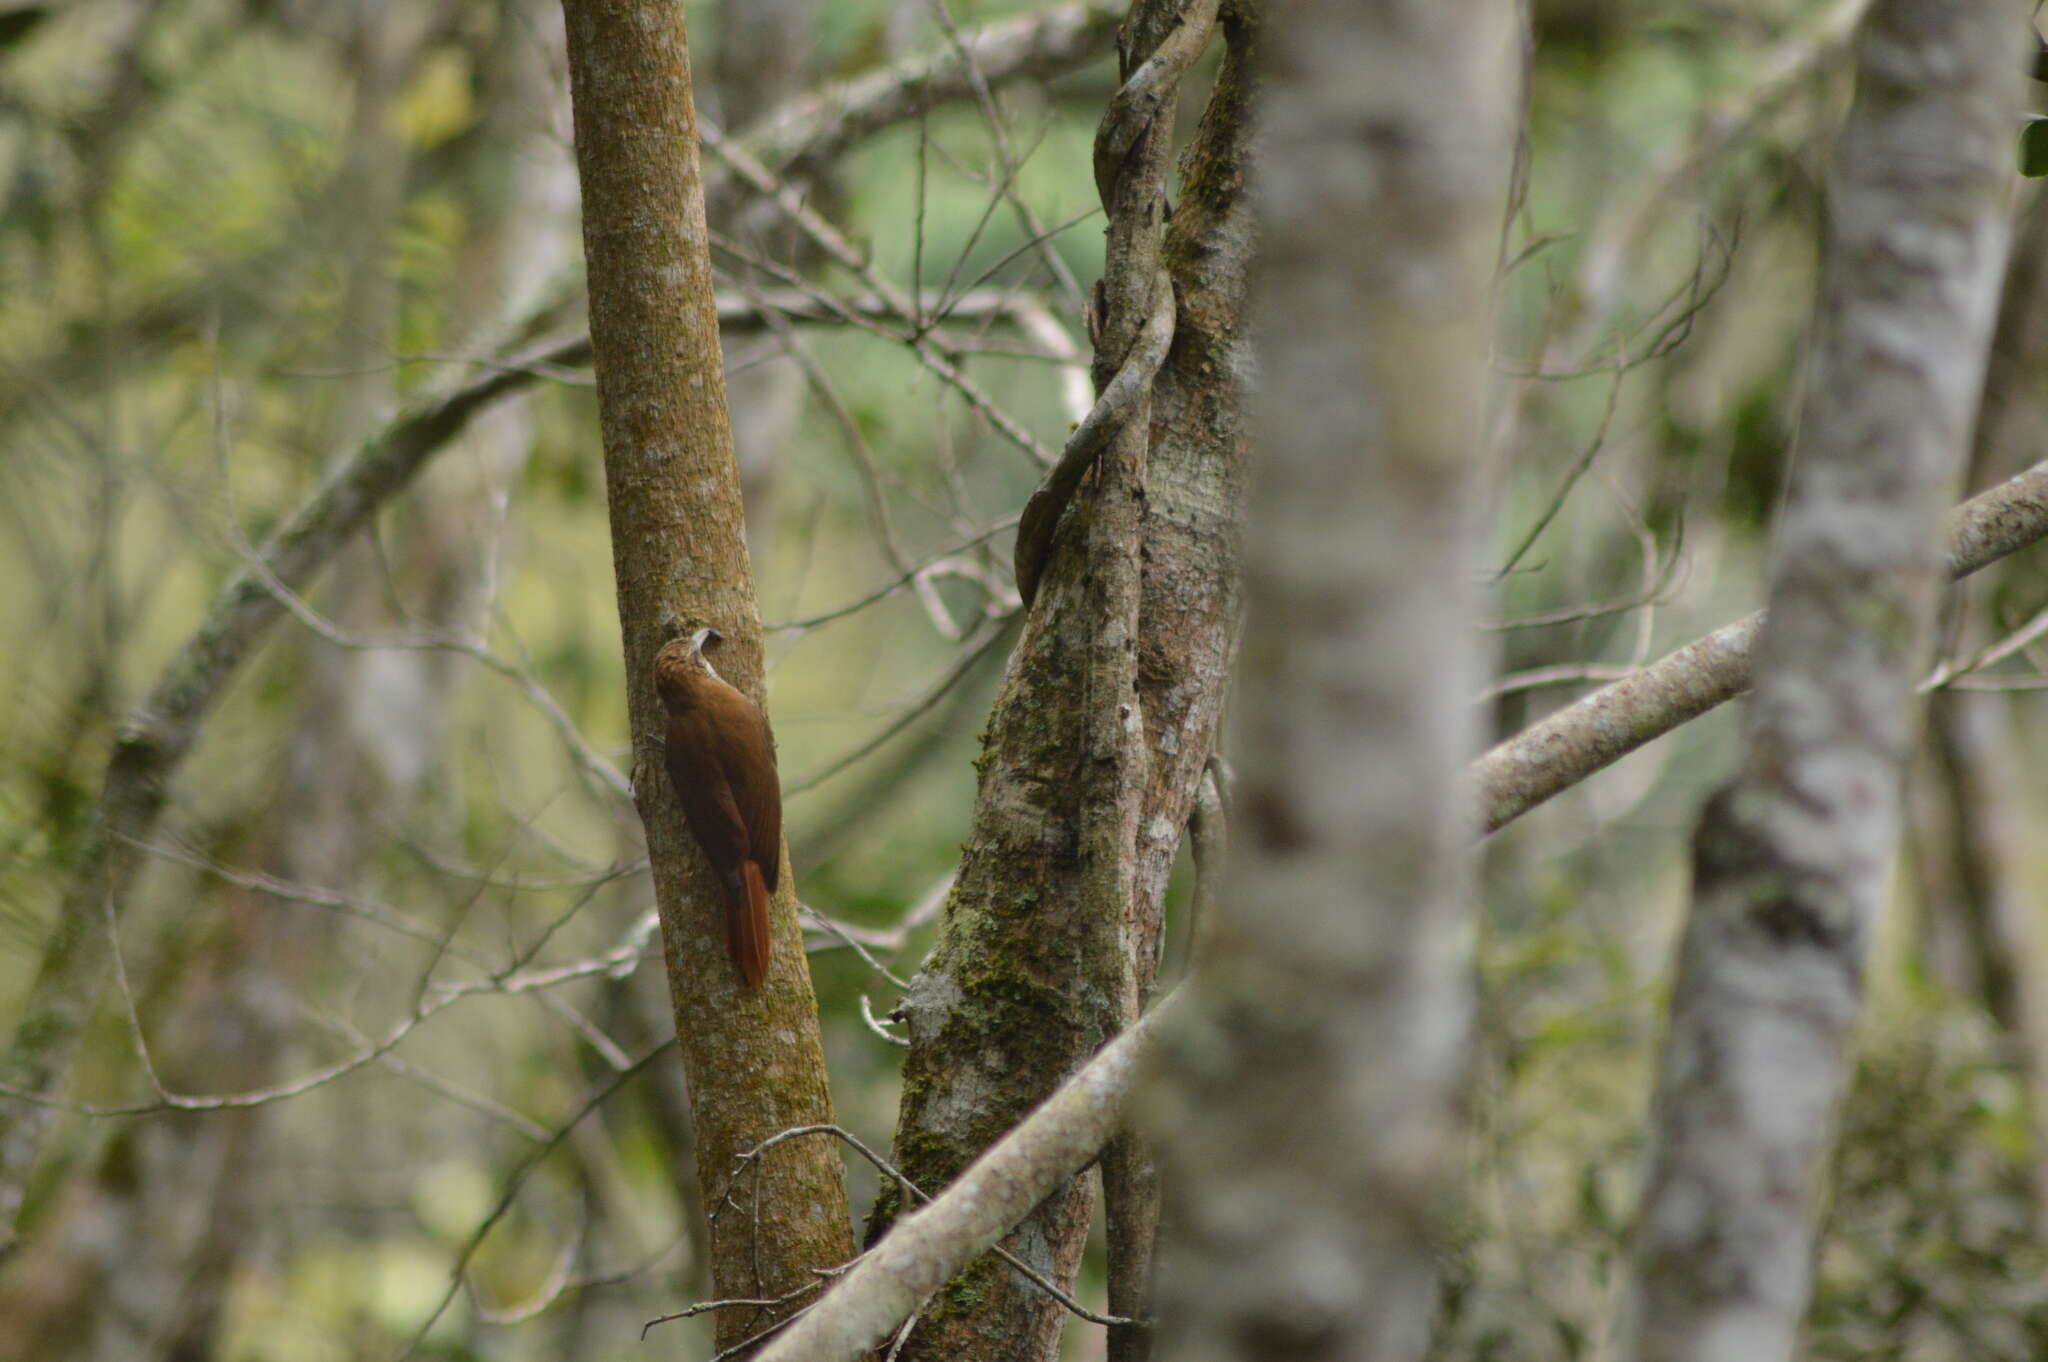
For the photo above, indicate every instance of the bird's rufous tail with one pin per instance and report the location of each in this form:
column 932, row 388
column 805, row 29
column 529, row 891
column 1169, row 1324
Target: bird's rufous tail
column 746, row 925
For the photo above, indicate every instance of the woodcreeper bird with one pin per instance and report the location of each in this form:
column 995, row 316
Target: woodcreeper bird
column 721, row 759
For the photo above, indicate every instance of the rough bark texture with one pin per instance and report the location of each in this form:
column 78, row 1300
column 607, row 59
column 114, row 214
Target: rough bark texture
column 1790, row 858
column 1310, row 1101
column 753, row 1055
column 1133, row 190
column 1052, row 932
column 1195, row 476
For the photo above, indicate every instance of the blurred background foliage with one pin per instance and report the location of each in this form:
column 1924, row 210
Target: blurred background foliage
column 236, row 236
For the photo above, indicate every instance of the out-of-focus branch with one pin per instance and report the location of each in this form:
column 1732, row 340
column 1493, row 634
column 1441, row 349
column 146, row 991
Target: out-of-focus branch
column 1786, row 69
column 515, row 1182
column 1595, row 732
column 739, row 311
column 808, row 130
column 1007, row 162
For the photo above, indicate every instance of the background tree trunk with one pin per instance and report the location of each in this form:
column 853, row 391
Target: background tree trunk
column 191, row 1207
column 1790, row 859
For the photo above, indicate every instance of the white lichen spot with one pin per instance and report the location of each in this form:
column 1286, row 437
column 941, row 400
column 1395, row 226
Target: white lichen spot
column 964, row 1102
column 932, row 996
column 1010, row 803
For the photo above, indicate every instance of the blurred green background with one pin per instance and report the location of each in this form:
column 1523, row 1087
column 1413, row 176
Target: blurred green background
column 237, row 236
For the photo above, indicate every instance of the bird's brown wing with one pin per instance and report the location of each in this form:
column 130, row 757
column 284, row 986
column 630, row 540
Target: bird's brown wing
column 706, row 794
column 760, row 804
column 738, row 740
column 720, row 828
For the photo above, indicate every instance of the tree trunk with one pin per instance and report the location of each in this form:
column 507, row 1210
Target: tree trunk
column 1790, row 859
column 1310, row 1107
column 753, row 1056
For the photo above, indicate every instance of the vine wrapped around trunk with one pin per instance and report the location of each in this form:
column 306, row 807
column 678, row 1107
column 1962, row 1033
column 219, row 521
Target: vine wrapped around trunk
column 1108, row 712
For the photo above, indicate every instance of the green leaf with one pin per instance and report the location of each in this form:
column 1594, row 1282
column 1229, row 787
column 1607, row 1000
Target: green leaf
column 2034, row 150
column 19, row 21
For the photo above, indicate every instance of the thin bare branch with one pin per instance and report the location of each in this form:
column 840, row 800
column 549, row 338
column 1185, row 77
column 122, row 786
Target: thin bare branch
column 841, row 252
column 818, row 127
column 511, row 1192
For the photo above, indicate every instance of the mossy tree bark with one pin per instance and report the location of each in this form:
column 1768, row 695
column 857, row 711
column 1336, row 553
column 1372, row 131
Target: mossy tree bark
column 678, row 548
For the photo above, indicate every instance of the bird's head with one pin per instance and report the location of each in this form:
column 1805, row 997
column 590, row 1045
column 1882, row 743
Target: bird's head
column 682, row 660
